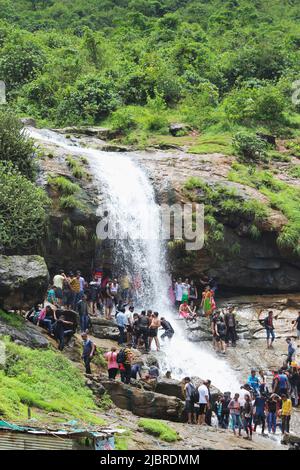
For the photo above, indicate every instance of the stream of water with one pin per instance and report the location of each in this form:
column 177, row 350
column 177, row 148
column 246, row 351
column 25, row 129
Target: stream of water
column 132, row 210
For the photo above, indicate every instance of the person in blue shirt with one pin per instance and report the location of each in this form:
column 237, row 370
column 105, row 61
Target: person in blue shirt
column 51, row 295
column 291, row 351
column 254, row 382
column 88, row 352
column 260, row 417
column 121, row 320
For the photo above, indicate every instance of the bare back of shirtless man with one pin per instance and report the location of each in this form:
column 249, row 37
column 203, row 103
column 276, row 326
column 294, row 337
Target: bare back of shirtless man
column 153, row 329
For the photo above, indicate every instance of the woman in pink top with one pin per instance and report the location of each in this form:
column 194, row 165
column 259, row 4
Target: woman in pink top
column 112, row 365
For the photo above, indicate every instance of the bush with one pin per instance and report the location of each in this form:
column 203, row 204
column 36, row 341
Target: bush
column 19, row 63
column 250, row 147
column 262, row 104
column 22, row 211
column 15, row 146
column 123, row 120
column 90, row 99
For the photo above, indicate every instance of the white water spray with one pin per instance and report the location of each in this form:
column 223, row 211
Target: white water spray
column 130, row 201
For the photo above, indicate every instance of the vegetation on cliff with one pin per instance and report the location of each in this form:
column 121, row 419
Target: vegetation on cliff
column 218, row 66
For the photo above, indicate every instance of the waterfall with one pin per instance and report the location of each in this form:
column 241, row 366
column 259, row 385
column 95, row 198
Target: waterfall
column 133, row 211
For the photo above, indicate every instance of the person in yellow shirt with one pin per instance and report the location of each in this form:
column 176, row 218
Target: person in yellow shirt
column 286, row 412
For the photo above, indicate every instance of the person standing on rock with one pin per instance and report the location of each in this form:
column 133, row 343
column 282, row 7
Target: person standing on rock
column 129, row 315
column 189, row 395
column 89, row 349
column 121, row 320
column 128, row 363
column 220, row 332
column 286, row 412
column 108, row 300
column 247, row 414
column 235, row 414
column 193, row 295
column 114, row 289
column 185, row 291
column 271, row 408
column 230, row 322
column 94, row 295
column 208, row 303
column 203, row 402
column 112, row 365
column 178, row 292
column 295, row 383
column 144, row 329
column 153, row 329
column 58, row 282
column 281, row 383
column 75, row 288
column 268, row 324
column 291, row 356
column 260, row 416
column 136, row 331
column 82, row 308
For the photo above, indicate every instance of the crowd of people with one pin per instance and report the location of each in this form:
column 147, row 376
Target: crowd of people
column 258, row 403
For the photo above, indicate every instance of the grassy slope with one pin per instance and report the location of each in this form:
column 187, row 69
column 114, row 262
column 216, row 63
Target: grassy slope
column 46, row 381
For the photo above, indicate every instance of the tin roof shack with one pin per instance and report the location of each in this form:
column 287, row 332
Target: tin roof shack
column 14, row 437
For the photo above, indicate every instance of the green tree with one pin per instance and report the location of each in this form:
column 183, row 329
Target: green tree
column 22, row 211
column 20, row 62
column 15, row 146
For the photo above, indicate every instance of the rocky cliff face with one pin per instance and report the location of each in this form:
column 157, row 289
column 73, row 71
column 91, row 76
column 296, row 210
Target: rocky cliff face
column 258, row 264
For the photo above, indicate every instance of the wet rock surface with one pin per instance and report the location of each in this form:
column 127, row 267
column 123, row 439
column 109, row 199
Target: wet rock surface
column 104, row 329
column 23, row 281
column 27, row 335
column 258, row 264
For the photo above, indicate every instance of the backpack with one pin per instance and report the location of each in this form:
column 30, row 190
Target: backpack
column 121, row 356
column 195, row 395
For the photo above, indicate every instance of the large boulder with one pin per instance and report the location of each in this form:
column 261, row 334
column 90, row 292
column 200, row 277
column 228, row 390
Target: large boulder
column 169, row 387
column 26, row 334
column 104, row 329
column 200, row 330
column 23, row 281
column 144, row 403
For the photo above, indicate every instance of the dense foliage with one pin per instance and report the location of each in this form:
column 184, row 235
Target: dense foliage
column 15, row 146
column 22, row 211
column 212, row 63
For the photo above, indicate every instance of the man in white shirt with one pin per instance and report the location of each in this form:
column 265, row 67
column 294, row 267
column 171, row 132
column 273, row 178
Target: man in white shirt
column 203, row 401
column 178, row 292
column 58, row 282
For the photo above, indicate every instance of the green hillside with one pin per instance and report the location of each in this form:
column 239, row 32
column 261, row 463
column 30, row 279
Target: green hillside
column 139, row 65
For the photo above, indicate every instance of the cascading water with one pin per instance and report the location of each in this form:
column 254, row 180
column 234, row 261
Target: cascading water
column 140, row 252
